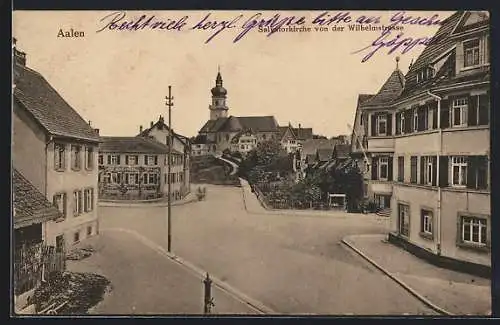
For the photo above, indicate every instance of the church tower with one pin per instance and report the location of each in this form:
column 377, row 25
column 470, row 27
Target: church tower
column 218, row 107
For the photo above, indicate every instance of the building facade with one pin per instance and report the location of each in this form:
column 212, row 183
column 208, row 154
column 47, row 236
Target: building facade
column 243, row 142
column 159, row 131
column 56, row 150
column 429, row 145
column 136, row 168
column 292, row 139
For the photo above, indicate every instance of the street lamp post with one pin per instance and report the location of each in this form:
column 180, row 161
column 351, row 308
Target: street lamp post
column 169, row 103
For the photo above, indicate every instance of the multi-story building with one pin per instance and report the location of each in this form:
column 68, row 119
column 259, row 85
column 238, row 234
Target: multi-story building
column 429, row 145
column 55, row 149
column 243, row 142
column 292, row 138
column 132, row 168
column 200, row 146
column 180, row 144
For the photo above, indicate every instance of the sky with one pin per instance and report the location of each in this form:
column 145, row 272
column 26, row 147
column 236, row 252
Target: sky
column 118, row 79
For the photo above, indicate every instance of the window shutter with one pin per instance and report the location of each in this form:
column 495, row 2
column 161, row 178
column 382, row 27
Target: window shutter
column 156, row 160
column 471, row 171
column 374, row 168
column 434, row 170
column 373, row 123
column 472, row 113
column 126, row 178
column 421, row 118
column 408, row 121
column 484, row 109
column 443, row 171
column 109, row 159
column 482, row 172
column 117, row 159
column 398, row 123
column 422, row 169
column 65, row 204
column 126, row 160
column 434, row 115
column 389, row 124
column 445, row 114
column 389, row 167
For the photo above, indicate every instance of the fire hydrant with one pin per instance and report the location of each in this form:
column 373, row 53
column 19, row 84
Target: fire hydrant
column 209, row 300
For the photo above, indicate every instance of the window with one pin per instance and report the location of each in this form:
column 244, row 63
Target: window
column 413, row 169
column 459, row 112
column 88, row 200
column 132, row 178
column 101, row 160
column 381, row 125
column 113, row 178
column 114, row 159
column 60, row 202
column 474, row 230
column 150, row 160
column 77, row 203
column 89, row 161
column 150, row 178
column 427, row 170
column 131, row 160
column 404, row 219
column 264, row 137
column 76, row 157
column 383, row 168
column 89, row 231
column 76, row 237
column 426, row 222
column 471, row 53
column 59, row 156
column 401, row 169
column 459, row 171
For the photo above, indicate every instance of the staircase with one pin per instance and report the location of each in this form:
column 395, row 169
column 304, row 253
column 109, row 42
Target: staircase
column 386, row 212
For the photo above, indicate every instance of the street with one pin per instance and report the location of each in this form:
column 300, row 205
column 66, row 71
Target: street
column 289, row 263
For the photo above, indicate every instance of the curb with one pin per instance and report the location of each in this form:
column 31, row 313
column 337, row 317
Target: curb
column 397, row 280
column 143, row 204
column 194, row 270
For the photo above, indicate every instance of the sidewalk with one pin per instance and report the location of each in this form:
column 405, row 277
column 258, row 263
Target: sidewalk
column 144, row 282
column 446, row 291
column 189, row 198
column 254, row 205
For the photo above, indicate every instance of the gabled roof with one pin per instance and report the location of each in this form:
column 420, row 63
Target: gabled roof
column 341, row 151
column 443, row 43
column 29, row 205
column 133, row 145
column 259, row 123
column 325, row 154
column 48, row 108
column 390, row 90
column 160, row 124
column 303, row 133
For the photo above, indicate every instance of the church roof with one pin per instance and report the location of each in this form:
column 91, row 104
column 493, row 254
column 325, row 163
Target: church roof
column 239, row 123
column 303, row 133
column 34, row 93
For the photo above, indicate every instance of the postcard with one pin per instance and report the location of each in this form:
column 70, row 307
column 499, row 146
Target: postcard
column 326, row 162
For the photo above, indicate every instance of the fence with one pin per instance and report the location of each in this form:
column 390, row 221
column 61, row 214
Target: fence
column 34, row 262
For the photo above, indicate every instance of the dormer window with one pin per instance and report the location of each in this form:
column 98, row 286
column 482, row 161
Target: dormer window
column 425, row 74
column 471, row 53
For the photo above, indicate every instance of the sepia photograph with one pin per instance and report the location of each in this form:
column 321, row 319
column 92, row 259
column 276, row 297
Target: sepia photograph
column 251, row 163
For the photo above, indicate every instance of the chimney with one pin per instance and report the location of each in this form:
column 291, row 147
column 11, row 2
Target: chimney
column 300, row 126
column 151, row 124
column 19, row 56
column 90, row 123
column 140, row 128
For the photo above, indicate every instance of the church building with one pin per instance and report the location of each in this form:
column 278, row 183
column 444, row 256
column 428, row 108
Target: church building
column 220, row 129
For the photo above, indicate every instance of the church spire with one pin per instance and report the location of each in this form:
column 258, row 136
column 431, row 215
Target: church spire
column 218, row 80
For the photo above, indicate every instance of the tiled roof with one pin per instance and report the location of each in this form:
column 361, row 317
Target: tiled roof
column 432, row 52
column 312, row 145
column 160, row 124
column 325, row 154
column 303, row 133
column 342, row 150
column 259, row 123
column 202, row 139
column 133, row 145
column 363, row 98
column 282, row 130
column 29, row 205
column 390, row 91
column 51, row 111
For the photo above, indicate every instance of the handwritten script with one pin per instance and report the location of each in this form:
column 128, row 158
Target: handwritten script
column 391, row 36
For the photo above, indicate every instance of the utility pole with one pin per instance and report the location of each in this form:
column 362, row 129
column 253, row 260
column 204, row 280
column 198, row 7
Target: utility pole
column 169, row 103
